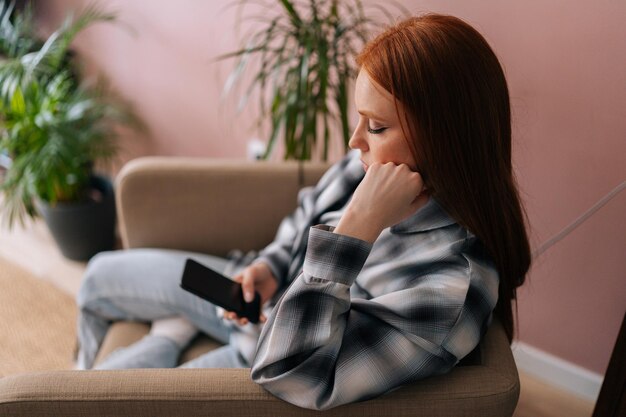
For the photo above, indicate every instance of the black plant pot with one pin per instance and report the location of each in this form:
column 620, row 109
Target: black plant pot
column 83, row 229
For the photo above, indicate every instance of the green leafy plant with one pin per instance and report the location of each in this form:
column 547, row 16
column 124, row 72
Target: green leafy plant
column 16, row 31
column 53, row 128
column 306, row 62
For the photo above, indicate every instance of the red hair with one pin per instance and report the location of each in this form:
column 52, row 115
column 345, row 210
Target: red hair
column 457, row 120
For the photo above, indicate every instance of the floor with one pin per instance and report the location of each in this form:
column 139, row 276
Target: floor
column 33, row 248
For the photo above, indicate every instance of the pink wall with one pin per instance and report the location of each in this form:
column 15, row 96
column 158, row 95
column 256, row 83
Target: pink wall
column 160, row 57
column 565, row 62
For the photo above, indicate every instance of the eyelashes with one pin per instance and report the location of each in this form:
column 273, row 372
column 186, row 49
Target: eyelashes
column 376, row 131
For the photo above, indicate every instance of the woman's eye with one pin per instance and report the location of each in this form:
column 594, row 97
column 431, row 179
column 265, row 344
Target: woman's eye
column 376, row 131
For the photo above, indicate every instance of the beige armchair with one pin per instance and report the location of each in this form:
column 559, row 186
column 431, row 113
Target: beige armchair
column 212, row 206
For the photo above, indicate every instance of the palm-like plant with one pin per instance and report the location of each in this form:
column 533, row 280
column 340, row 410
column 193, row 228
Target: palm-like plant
column 16, row 31
column 52, row 128
column 306, row 64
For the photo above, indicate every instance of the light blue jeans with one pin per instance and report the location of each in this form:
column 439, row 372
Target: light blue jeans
column 144, row 285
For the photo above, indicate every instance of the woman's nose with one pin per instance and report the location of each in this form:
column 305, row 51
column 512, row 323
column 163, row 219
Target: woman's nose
column 357, row 141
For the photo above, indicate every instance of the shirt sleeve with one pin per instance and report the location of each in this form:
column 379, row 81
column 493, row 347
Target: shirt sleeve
column 320, row 349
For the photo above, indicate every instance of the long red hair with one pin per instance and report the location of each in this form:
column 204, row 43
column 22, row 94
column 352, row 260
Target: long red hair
column 457, row 120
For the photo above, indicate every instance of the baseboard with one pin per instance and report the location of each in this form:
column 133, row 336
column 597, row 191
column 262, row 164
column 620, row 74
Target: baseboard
column 556, row 371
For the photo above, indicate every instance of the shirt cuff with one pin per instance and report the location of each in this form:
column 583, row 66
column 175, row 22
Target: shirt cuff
column 334, row 257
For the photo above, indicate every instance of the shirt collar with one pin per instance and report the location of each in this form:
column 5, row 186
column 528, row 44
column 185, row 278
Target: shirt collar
column 429, row 217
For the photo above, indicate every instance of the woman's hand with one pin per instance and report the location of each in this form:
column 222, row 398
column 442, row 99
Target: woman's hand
column 256, row 277
column 387, row 195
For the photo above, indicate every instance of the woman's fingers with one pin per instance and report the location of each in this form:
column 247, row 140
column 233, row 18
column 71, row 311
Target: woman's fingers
column 389, row 193
column 256, row 277
column 229, row 315
column 247, row 284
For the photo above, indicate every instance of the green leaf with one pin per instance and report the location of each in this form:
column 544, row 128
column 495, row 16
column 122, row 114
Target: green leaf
column 18, row 106
column 295, row 18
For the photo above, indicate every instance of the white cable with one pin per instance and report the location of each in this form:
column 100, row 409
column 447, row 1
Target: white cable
column 573, row 225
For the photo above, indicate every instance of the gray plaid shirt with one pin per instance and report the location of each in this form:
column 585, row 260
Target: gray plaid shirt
column 356, row 320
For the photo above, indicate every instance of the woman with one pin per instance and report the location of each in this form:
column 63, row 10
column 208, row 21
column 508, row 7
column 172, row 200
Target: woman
column 392, row 266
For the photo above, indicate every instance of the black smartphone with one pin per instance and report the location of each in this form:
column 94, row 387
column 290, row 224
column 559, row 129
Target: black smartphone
column 220, row 290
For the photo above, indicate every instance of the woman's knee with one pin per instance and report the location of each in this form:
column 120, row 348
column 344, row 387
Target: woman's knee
column 141, row 273
column 98, row 276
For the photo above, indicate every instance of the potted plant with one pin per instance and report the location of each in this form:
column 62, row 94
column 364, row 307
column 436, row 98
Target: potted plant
column 306, row 55
column 54, row 130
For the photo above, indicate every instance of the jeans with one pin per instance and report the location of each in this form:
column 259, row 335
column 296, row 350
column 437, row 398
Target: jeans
column 144, row 285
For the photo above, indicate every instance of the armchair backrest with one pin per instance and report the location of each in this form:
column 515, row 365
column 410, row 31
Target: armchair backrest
column 207, row 205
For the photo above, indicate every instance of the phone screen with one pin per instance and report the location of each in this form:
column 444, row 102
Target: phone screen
column 218, row 289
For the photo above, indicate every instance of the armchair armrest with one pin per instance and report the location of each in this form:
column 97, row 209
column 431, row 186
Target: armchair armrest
column 207, row 205
column 489, row 389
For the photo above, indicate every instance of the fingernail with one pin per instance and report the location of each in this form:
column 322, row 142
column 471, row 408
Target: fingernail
column 248, row 296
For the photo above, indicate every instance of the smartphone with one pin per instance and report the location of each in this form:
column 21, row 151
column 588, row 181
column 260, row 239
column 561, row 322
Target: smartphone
column 220, row 290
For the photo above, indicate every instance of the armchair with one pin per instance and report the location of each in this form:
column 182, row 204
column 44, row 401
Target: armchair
column 212, row 206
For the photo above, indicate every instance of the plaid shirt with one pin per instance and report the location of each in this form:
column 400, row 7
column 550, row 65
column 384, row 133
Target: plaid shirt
column 356, row 320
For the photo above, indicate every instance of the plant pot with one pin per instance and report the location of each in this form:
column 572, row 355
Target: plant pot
column 83, row 229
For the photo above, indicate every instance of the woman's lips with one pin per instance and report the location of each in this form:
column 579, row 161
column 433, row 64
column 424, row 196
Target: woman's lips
column 364, row 165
